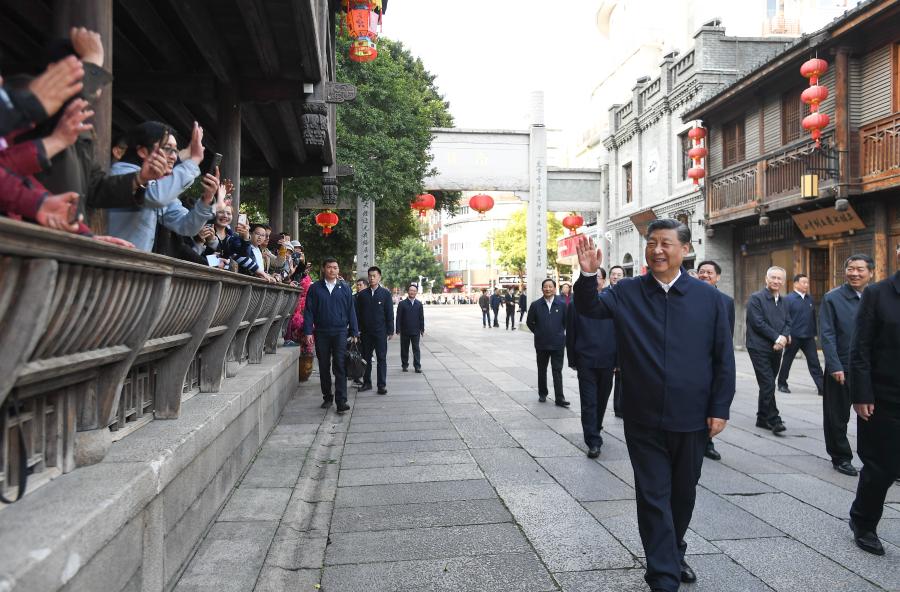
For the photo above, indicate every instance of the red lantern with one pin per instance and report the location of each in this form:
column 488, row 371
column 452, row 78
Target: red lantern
column 423, row 203
column 363, row 20
column 697, row 154
column 573, row 222
column 362, row 51
column 696, row 173
column 813, row 96
column 815, row 123
column 327, row 220
column 697, row 134
column 481, row 203
column 812, row 69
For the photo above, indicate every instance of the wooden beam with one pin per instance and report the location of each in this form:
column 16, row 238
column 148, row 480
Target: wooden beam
column 157, row 32
column 208, row 41
column 260, row 134
column 169, row 86
column 260, row 36
column 308, row 38
column 869, row 12
column 260, row 168
column 292, row 130
column 35, row 13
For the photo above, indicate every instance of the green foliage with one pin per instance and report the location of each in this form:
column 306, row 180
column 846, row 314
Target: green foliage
column 405, row 262
column 510, row 242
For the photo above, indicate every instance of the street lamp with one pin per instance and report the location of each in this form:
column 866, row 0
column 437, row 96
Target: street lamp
column 809, row 186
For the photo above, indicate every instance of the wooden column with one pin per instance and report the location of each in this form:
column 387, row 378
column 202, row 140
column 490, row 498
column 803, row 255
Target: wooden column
column 881, row 245
column 229, row 116
column 276, row 203
column 842, row 116
column 96, row 15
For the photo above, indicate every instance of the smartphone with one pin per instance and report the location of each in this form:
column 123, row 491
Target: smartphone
column 214, row 163
column 242, row 219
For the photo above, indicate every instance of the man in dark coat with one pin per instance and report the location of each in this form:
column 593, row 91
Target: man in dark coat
column 837, row 322
column 710, row 272
column 671, row 332
column 509, row 300
column 768, row 333
column 547, row 320
column 495, row 306
column 376, row 325
column 329, row 307
column 803, row 334
column 484, row 303
column 616, row 272
column 591, row 349
column 875, row 389
column 410, row 327
column 523, row 304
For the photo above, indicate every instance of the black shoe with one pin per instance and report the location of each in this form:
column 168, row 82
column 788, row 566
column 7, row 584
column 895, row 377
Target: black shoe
column 711, row 452
column 687, row 574
column 514, row 328
column 845, row 468
column 562, row 403
column 866, row 540
column 381, row 390
column 542, row 398
column 342, row 407
column 418, row 370
column 358, row 382
column 783, row 388
column 778, row 427
column 619, row 415
column 593, row 452
column 326, row 403
column 405, row 369
column 763, row 424
column 365, row 387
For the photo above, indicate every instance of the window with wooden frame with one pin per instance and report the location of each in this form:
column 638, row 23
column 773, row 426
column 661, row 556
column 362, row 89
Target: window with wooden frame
column 895, row 77
column 686, row 163
column 733, row 142
column 626, row 173
column 791, row 116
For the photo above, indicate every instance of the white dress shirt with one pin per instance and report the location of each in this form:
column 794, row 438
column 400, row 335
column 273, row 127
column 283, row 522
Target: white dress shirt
column 330, row 285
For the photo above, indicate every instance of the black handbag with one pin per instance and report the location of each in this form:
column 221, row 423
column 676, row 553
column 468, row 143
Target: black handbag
column 353, row 362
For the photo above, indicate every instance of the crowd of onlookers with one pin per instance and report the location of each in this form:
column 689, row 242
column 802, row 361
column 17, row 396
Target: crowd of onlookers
column 49, row 174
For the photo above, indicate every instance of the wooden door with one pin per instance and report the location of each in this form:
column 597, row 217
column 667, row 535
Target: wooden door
column 819, row 273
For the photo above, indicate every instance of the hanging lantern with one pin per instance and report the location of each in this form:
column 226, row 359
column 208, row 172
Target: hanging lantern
column 363, row 21
column 327, row 220
column 481, row 203
column 423, row 203
column 573, row 222
column 813, row 96
column 697, row 154
column 363, row 50
column 815, row 123
column 813, row 69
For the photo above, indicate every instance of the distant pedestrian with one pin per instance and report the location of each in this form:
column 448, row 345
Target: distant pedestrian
column 361, row 284
column 547, row 321
column 376, row 325
column 710, row 272
column 616, row 272
column 803, row 334
column 768, row 333
column 565, row 290
column 523, row 304
column 410, row 327
column 875, row 388
column 591, row 349
column 484, row 303
column 509, row 300
column 329, row 308
column 495, row 306
column 837, row 321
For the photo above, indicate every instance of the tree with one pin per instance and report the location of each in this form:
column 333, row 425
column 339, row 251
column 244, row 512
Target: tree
column 511, row 241
column 405, row 262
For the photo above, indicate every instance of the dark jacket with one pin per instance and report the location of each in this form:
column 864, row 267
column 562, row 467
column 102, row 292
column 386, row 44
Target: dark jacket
column 837, row 320
column 376, row 312
column 729, row 308
column 410, row 317
column 875, row 351
column 676, row 346
column 548, row 324
column 484, row 302
column 495, row 301
column 523, row 301
column 330, row 313
column 766, row 321
column 590, row 343
column 803, row 315
column 509, row 301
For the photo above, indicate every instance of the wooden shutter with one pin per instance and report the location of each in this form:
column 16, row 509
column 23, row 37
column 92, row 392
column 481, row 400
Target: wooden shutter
column 791, row 116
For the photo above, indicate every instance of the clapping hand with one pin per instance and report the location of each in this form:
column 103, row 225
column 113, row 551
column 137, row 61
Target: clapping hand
column 87, row 44
column 59, row 211
column 59, row 81
column 70, row 125
column 197, row 143
column 589, row 256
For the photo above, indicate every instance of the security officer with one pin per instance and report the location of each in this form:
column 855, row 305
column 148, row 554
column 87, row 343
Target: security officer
column 803, row 334
column 495, row 305
column 376, row 325
column 547, row 320
column 672, row 332
column 509, row 300
column 410, row 327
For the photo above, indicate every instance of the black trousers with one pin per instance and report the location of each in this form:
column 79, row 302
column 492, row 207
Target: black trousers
column 617, row 393
column 666, row 470
column 521, row 313
column 330, row 351
column 594, row 386
column 378, row 344
column 878, row 441
column 765, row 365
column 808, row 346
column 510, row 317
column 405, row 341
column 555, row 358
column 485, row 317
column 496, row 314
column 835, row 415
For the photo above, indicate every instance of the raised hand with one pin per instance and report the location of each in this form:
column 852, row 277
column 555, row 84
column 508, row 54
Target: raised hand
column 88, row 45
column 59, row 211
column 589, row 256
column 70, row 125
column 210, row 186
column 155, row 166
column 197, row 143
column 59, row 81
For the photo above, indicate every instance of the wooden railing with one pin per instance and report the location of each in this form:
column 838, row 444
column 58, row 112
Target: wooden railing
column 879, row 153
column 96, row 340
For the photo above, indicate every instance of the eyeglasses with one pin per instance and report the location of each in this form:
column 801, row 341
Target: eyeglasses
column 258, row 235
column 168, row 150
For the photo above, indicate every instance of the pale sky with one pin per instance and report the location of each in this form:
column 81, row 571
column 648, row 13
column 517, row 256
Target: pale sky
column 488, row 55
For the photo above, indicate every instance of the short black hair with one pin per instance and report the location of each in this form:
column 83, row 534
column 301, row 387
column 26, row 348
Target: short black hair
column 328, row 260
column 799, row 277
column 601, row 272
column 681, row 229
column 870, row 263
column 715, row 265
column 363, row 280
column 617, row 267
column 416, row 286
column 374, row 268
column 256, row 225
column 548, row 280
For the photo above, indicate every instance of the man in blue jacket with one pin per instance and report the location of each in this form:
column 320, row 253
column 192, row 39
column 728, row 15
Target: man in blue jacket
column 768, row 333
column 837, row 321
column 547, row 321
column 329, row 307
column 495, row 306
column 591, row 348
column 803, row 334
column 376, row 324
column 410, row 327
column 673, row 338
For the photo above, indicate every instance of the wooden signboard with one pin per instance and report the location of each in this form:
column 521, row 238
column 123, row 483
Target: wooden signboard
column 827, row 221
column 642, row 220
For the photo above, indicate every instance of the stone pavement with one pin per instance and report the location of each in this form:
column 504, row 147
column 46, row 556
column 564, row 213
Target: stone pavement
column 460, row 480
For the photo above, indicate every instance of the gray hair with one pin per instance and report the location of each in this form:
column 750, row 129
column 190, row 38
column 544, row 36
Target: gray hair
column 776, row 268
column 870, row 263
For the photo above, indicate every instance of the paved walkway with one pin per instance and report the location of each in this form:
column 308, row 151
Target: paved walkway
column 460, row 480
